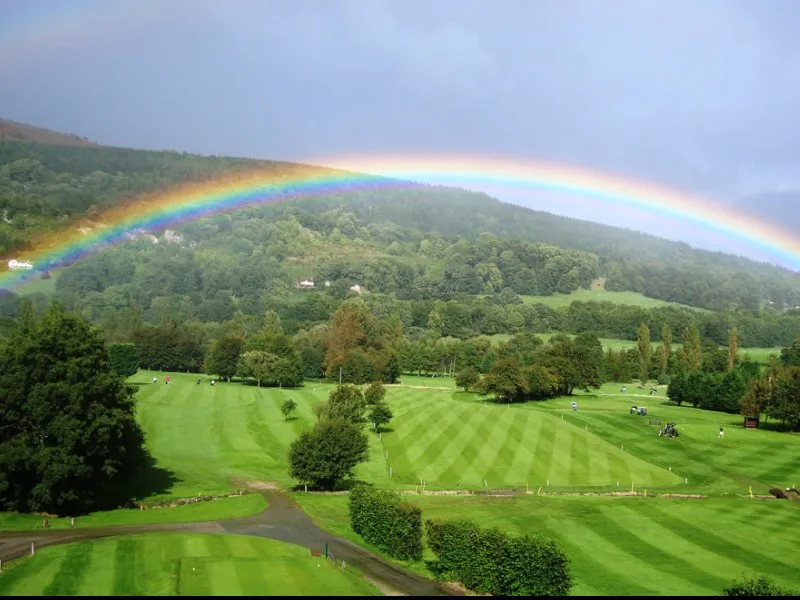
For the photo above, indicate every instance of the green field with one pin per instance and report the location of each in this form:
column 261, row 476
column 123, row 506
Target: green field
column 208, row 436
column 179, row 564
column 601, row 295
column 224, row 508
column 628, row 546
column 212, row 438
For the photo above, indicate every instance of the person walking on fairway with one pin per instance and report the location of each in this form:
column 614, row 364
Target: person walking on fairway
column 721, row 432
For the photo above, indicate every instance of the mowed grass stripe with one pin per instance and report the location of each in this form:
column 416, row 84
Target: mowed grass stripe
column 616, row 574
column 434, row 456
column 498, row 447
column 580, row 470
column 459, row 454
column 403, row 438
column 125, row 567
column 543, row 453
column 616, row 531
column 447, row 420
column 561, row 463
column 514, row 444
column 73, row 568
column 705, row 538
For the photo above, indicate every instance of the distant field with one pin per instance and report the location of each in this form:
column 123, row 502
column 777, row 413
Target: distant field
column 41, row 286
column 600, row 295
column 178, row 564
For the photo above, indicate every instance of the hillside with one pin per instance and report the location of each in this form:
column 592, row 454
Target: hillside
column 12, row 130
column 46, row 186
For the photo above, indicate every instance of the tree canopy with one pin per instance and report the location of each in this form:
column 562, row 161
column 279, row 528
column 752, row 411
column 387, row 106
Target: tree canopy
column 68, row 436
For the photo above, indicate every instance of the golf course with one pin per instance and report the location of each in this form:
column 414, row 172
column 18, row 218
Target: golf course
column 599, row 480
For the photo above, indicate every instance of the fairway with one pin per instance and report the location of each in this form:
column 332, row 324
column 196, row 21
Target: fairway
column 210, row 436
column 451, row 440
column 178, row 564
column 628, row 546
column 452, row 443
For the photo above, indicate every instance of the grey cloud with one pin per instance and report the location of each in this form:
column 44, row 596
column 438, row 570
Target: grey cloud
column 696, row 94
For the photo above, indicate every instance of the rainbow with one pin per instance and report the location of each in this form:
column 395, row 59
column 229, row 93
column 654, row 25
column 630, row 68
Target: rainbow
column 183, row 203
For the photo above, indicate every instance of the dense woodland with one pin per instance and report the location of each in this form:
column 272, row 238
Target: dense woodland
column 42, row 187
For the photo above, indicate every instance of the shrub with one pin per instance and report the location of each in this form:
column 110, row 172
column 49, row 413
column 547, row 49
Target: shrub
column 757, row 586
column 386, row 522
column 491, row 561
column 664, row 379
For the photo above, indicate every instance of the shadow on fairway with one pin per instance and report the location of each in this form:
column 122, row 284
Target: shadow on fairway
column 148, row 480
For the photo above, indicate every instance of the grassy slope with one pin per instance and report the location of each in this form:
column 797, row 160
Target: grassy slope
column 601, row 295
column 179, row 564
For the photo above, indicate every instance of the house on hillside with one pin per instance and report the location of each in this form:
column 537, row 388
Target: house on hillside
column 356, row 288
column 16, row 265
column 304, row 283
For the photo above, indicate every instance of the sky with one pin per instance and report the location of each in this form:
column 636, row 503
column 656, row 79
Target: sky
column 696, row 94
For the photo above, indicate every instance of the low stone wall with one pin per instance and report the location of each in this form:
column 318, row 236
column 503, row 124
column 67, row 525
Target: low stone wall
column 193, row 500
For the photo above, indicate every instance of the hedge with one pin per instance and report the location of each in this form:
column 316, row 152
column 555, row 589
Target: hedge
column 491, row 561
column 386, row 522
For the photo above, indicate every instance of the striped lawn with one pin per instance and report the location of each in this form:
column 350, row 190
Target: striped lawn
column 453, row 443
column 629, row 546
column 208, row 436
column 175, row 564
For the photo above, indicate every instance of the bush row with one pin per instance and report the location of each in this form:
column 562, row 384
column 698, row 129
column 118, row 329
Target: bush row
column 494, row 562
column 386, row 522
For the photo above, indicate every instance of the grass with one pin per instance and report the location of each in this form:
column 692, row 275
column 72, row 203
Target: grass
column 451, row 440
column 627, row 546
column 601, row 295
column 224, row 508
column 39, row 285
column 174, row 564
column 209, row 436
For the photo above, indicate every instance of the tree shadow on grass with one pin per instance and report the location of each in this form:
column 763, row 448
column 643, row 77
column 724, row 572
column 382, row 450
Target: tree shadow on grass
column 147, row 481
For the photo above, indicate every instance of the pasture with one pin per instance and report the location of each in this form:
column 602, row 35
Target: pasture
column 597, row 294
column 179, row 564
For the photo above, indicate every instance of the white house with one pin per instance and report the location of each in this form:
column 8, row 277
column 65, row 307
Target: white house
column 305, row 283
column 16, row 265
column 355, row 288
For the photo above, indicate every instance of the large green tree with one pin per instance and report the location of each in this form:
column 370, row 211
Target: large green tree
column 327, row 453
column 68, row 436
column 223, row 356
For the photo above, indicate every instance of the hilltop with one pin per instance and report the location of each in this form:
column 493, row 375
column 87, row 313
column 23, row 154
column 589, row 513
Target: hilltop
column 12, row 130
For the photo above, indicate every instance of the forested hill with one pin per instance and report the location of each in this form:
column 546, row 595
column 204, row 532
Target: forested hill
column 47, row 186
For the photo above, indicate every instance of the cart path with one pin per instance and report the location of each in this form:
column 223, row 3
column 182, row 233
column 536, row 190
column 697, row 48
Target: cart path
column 283, row 520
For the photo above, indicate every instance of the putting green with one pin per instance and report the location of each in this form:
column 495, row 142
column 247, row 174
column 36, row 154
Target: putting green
column 175, row 564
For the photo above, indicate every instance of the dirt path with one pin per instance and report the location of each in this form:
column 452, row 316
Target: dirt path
column 283, row 520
